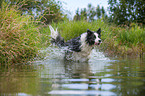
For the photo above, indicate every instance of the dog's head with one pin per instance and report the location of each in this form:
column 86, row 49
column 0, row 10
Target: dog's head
column 93, row 38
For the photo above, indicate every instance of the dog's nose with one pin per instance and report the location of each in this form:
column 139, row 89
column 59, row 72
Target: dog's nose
column 99, row 41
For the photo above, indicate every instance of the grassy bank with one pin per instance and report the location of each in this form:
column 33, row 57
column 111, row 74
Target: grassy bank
column 20, row 38
column 125, row 41
column 121, row 41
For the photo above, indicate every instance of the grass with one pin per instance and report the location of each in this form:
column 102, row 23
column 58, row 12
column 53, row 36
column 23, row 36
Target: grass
column 71, row 29
column 20, row 38
column 126, row 41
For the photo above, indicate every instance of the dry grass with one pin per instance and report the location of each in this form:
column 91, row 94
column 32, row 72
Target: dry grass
column 19, row 37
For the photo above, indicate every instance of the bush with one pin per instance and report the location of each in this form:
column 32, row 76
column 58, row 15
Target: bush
column 19, row 37
column 125, row 40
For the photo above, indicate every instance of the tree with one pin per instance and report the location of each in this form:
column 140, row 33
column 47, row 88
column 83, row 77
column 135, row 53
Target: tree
column 98, row 11
column 91, row 13
column 140, row 11
column 84, row 14
column 103, row 10
column 77, row 16
column 52, row 12
column 127, row 11
column 28, row 6
column 47, row 10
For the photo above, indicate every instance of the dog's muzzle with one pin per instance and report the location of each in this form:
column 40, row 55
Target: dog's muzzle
column 98, row 43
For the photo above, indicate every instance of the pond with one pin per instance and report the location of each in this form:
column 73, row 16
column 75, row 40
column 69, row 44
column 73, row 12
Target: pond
column 52, row 76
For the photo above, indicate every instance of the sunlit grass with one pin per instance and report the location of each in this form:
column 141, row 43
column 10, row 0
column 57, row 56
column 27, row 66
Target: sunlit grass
column 20, row 39
column 71, row 29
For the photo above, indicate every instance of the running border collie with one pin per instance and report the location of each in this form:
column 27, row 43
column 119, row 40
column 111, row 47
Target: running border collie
column 79, row 48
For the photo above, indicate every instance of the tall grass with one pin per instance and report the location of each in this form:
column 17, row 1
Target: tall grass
column 126, row 41
column 71, row 29
column 19, row 37
column 119, row 41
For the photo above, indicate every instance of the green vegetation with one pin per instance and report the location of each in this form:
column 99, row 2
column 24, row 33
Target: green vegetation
column 22, row 35
column 125, row 41
column 45, row 10
column 121, row 12
column 20, row 38
column 91, row 13
column 127, row 11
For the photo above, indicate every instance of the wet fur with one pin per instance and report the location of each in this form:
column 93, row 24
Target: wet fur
column 79, row 48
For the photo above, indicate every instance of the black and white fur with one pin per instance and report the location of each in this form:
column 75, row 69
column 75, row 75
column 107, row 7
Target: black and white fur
column 79, row 48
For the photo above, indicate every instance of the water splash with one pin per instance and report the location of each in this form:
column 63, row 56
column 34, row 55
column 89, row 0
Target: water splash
column 97, row 55
column 53, row 52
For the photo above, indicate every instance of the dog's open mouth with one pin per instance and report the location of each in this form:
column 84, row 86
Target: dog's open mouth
column 97, row 43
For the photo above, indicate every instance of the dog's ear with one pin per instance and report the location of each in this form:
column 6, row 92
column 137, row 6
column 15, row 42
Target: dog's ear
column 89, row 32
column 99, row 31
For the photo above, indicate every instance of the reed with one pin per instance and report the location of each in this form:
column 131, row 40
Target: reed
column 19, row 37
column 126, row 41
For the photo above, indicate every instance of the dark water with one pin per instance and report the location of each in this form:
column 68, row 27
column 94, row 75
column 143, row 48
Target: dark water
column 101, row 76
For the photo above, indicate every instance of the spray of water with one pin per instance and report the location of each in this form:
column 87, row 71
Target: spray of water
column 53, row 52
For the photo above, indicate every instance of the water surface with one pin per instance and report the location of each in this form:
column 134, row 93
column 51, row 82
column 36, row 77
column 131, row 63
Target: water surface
column 101, row 76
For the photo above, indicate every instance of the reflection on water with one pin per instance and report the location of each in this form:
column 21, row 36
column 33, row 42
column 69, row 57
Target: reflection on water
column 18, row 79
column 101, row 76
